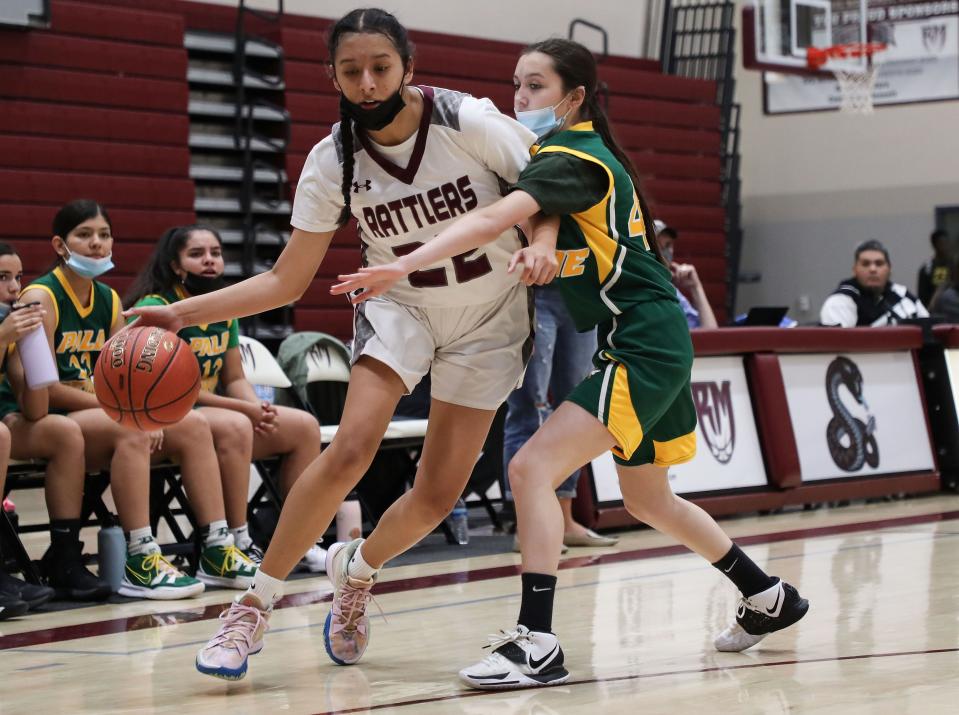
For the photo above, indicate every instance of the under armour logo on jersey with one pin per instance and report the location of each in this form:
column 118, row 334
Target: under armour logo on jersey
column 366, row 186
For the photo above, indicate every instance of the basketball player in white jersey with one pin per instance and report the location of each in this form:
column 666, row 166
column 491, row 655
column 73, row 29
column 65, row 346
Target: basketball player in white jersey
column 405, row 161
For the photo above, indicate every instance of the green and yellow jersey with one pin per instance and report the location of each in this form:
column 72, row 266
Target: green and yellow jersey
column 81, row 331
column 208, row 342
column 606, row 262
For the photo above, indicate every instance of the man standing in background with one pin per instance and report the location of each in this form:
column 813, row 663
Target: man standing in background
column 935, row 272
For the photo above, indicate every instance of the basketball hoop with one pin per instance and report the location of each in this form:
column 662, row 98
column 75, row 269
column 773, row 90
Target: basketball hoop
column 856, row 85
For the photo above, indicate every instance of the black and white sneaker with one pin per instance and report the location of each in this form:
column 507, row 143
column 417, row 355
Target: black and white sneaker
column 520, row 659
column 777, row 607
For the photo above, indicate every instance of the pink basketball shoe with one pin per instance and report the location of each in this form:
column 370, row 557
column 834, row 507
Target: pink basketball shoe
column 347, row 629
column 240, row 635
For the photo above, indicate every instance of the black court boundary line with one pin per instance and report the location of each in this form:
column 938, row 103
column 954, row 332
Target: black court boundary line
column 122, row 625
column 639, row 676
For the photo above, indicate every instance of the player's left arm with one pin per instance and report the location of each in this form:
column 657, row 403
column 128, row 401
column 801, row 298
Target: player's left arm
column 471, row 231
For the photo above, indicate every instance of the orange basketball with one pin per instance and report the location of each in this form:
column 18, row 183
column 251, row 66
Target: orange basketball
column 146, row 378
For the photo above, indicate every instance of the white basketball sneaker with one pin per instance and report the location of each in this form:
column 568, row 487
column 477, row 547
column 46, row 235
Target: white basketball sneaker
column 777, row 607
column 520, row 659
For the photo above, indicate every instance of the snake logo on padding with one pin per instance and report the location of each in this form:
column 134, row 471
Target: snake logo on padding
column 851, row 441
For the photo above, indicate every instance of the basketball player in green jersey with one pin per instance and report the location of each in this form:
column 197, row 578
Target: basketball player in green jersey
column 81, row 315
column 636, row 403
column 27, row 431
column 188, row 260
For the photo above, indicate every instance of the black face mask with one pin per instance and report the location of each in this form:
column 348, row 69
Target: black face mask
column 199, row 285
column 376, row 118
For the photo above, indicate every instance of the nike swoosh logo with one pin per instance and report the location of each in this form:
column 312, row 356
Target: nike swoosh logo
column 540, row 590
column 731, row 565
column 535, row 664
column 772, row 610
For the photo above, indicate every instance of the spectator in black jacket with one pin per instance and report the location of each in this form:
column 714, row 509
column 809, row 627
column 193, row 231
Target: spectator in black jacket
column 869, row 298
column 934, row 273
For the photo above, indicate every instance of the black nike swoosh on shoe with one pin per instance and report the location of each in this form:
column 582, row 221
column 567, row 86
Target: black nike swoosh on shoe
column 772, row 610
column 536, row 664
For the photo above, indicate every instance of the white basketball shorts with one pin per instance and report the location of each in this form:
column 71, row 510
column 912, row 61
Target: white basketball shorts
column 475, row 354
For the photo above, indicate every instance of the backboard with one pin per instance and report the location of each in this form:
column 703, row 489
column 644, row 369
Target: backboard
column 778, row 33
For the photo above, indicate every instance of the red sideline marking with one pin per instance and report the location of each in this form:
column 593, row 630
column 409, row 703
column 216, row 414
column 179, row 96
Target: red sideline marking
column 122, row 625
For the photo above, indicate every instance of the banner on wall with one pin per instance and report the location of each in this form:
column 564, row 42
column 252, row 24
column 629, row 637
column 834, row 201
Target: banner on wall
column 728, row 455
column 920, row 62
column 856, row 415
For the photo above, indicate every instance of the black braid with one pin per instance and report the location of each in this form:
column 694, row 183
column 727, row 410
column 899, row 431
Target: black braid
column 346, row 138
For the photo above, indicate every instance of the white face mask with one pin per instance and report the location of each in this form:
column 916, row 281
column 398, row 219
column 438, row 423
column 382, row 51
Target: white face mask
column 542, row 121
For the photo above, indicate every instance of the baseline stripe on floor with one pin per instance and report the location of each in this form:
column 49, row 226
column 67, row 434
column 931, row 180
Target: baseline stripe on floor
column 154, row 620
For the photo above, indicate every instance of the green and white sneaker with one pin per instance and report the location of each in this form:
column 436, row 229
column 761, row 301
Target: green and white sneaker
column 226, row 565
column 150, row 575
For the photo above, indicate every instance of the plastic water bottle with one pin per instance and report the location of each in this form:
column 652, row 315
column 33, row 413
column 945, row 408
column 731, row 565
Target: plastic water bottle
column 459, row 522
column 39, row 367
column 349, row 520
column 266, row 393
column 112, row 555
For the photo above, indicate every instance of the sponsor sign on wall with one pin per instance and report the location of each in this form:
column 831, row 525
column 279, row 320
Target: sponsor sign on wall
column 856, row 415
column 727, row 445
column 920, row 62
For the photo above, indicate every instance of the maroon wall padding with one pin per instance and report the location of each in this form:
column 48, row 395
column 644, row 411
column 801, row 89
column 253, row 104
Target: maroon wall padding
column 22, row 82
column 727, row 341
column 117, row 23
column 776, row 435
column 49, row 187
column 948, row 335
column 34, row 222
column 62, row 51
column 119, row 125
column 104, row 157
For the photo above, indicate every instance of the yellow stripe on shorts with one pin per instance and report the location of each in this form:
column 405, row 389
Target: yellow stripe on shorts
column 623, row 422
column 675, row 451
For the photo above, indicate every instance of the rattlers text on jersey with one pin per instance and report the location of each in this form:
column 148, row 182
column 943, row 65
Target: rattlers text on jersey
column 606, row 265
column 405, row 195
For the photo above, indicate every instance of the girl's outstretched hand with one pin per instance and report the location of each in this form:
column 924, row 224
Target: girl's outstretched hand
column 538, row 264
column 162, row 316
column 372, row 280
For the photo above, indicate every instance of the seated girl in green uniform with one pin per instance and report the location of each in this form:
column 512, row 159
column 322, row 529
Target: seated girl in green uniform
column 81, row 315
column 188, row 260
column 637, row 402
column 27, row 432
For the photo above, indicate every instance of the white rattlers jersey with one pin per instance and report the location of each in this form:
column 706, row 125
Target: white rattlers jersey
column 460, row 159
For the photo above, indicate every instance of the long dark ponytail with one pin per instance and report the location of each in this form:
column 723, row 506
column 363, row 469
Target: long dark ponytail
column 157, row 275
column 576, row 66
column 369, row 20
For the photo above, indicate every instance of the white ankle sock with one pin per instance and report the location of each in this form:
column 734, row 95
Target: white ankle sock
column 218, row 534
column 358, row 568
column 265, row 589
column 141, row 542
column 241, row 537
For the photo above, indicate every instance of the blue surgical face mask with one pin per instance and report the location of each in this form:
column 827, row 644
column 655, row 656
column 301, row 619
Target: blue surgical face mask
column 542, row 121
column 89, row 267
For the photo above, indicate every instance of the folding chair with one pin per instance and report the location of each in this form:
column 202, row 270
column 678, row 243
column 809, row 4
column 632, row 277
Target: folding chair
column 261, row 368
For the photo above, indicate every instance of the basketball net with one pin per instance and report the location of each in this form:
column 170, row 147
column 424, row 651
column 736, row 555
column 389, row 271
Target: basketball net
column 855, row 85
